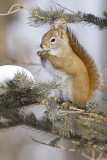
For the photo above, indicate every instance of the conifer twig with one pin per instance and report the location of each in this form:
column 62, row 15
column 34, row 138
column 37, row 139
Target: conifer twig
column 63, row 7
column 59, row 146
column 39, row 17
column 11, row 11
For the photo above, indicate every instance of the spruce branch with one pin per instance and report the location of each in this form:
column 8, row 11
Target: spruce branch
column 41, row 17
column 74, row 123
column 22, row 91
column 53, row 143
column 87, row 140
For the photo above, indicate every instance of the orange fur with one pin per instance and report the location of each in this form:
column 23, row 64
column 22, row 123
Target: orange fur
column 72, row 67
column 88, row 62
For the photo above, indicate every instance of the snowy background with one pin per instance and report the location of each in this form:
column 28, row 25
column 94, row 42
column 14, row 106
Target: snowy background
column 20, row 42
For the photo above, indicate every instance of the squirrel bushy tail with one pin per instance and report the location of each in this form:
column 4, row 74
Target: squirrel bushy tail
column 87, row 60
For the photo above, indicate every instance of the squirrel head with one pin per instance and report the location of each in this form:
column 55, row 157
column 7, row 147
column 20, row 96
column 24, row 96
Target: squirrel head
column 55, row 39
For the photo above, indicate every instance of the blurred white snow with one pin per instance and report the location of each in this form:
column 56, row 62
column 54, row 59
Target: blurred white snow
column 7, row 72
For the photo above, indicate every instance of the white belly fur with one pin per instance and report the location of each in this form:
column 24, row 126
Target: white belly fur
column 64, row 90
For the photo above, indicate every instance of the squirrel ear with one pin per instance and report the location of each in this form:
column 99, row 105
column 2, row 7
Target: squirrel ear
column 61, row 30
column 52, row 27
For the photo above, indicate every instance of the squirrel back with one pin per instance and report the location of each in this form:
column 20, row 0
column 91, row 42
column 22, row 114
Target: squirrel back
column 87, row 60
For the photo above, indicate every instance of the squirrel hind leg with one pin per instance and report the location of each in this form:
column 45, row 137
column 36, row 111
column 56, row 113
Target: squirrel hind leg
column 67, row 105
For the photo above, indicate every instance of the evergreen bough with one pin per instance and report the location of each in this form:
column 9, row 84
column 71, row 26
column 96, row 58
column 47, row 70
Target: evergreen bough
column 83, row 125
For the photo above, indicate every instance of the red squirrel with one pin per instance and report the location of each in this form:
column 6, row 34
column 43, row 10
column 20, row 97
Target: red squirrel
column 71, row 66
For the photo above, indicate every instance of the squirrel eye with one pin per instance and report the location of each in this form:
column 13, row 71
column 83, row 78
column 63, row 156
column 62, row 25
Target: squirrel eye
column 52, row 39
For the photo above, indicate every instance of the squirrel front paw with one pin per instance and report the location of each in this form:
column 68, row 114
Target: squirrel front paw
column 42, row 54
column 39, row 53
